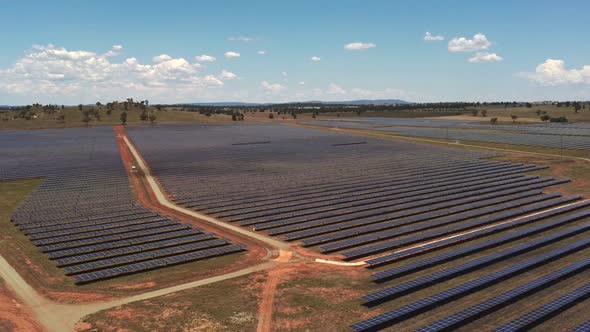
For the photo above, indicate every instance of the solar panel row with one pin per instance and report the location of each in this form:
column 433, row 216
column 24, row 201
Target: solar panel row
column 512, row 296
column 463, row 268
column 391, row 317
column 385, row 259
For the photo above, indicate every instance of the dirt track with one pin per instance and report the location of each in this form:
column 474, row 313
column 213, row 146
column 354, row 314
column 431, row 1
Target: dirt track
column 268, row 294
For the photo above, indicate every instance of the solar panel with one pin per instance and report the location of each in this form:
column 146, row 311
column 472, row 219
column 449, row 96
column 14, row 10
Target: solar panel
column 445, row 257
column 584, row 327
column 469, row 314
column 391, row 317
column 454, row 218
column 399, row 255
column 422, row 282
column 547, row 310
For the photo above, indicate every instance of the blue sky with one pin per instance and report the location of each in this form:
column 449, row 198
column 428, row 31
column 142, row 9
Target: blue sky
column 83, row 51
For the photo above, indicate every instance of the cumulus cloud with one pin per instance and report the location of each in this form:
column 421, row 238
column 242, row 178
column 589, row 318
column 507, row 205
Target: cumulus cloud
column 55, row 71
column 482, row 57
column 359, row 46
column 261, row 52
column 161, row 58
column 231, row 54
column 478, row 43
column 429, row 37
column 552, row 72
column 114, row 51
column 241, row 39
column 205, row 58
column 315, row 58
column 226, row 75
column 272, row 87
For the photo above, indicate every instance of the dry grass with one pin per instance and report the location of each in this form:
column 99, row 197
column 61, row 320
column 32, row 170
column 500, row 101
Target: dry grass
column 525, row 115
column 229, row 305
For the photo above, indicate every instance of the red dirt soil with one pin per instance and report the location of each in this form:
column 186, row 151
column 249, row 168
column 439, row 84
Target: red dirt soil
column 13, row 316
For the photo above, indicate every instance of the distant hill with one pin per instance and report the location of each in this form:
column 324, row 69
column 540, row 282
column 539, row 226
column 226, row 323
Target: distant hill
column 228, row 104
column 368, row 102
column 349, row 102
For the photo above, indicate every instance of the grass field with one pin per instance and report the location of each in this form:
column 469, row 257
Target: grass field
column 73, row 118
column 525, row 115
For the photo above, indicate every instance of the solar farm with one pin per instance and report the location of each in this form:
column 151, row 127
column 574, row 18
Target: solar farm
column 571, row 136
column 444, row 238
column 84, row 216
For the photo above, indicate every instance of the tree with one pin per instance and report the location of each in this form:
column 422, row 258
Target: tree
column 61, row 118
column 234, row 117
column 86, row 117
column 152, row 118
column 538, row 112
column 80, row 107
column 143, row 116
column 545, row 117
column 560, row 119
column 514, row 117
column 494, row 121
column 123, row 117
column 271, row 115
column 474, row 112
column 577, row 107
column 484, row 113
column 529, row 105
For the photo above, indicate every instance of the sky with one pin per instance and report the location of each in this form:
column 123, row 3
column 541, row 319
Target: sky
column 71, row 52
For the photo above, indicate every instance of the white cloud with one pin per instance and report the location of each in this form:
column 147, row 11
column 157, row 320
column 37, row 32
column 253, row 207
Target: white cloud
column 212, row 80
column 301, row 83
column 226, row 75
column 272, row 87
column 54, row 72
column 284, row 73
column 114, row 51
column 481, row 57
column 429, row 37
column 462, row 44
column 241, row 39
column 261, row 52
column 334, row 89
column 205, row 58
column 359, row 46
column 231, row 54
column 552, row 72
column 161, row 58
column 315, row 58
